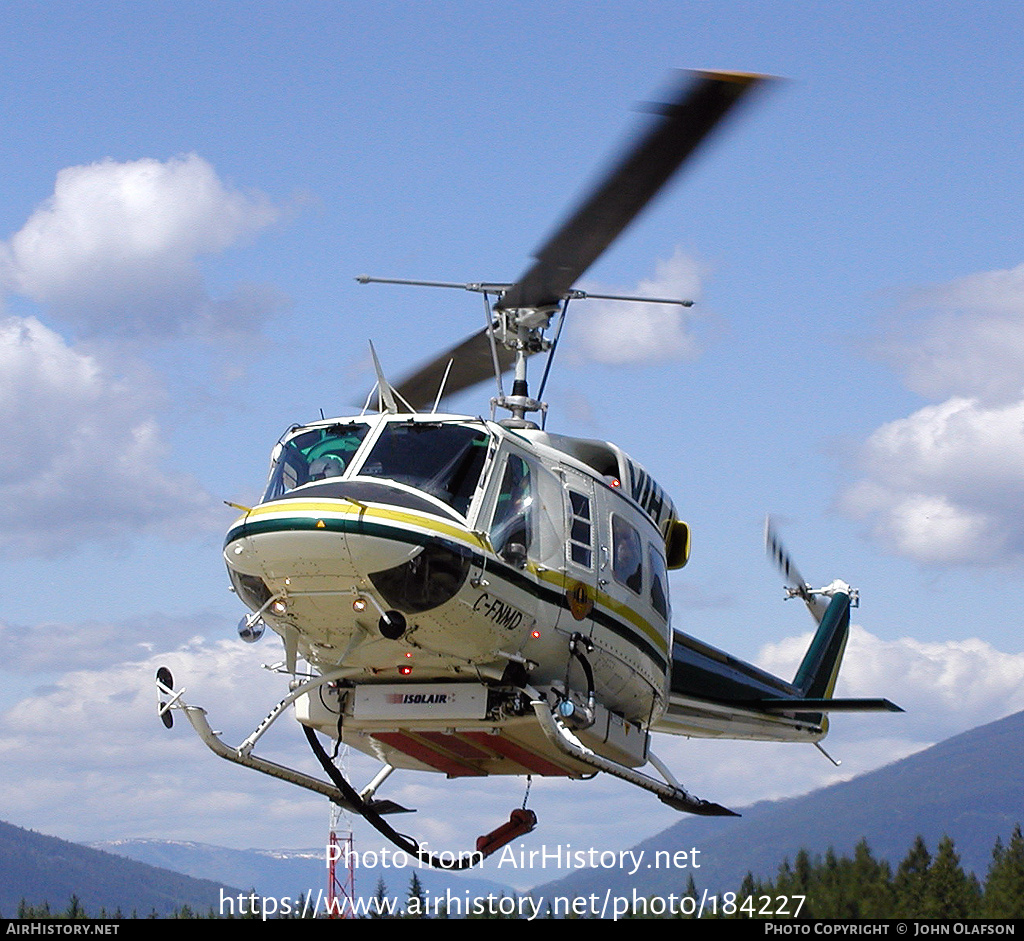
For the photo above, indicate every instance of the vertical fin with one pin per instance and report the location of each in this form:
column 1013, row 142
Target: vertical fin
column 816, row 676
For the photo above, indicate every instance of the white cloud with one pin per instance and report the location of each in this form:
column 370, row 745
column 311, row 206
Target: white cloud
column 945, row 687
column 115, row 250
column 971, row 342
column 82, row 456
column 126, row 775
column 620, row 332
column 945, row 484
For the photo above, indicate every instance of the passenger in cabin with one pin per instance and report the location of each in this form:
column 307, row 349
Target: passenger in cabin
column 627, row 565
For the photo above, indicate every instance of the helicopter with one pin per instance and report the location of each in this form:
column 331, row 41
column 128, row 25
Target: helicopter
column 477, row 597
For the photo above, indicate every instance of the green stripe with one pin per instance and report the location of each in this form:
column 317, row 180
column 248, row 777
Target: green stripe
column 384, row 531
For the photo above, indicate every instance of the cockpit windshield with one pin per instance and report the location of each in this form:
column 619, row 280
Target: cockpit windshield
column 442, row 459
column 314, row 455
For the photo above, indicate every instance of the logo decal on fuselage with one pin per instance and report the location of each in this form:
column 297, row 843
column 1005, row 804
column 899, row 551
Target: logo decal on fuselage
column 419, row 699
column 580, row 601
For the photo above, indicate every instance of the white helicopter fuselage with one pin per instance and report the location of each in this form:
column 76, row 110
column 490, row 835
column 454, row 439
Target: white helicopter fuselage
column 428, row 561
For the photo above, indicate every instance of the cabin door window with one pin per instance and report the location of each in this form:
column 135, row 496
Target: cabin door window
column 580, row 518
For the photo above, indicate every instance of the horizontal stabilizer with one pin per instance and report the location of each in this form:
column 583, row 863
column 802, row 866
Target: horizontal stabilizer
column 827, row 705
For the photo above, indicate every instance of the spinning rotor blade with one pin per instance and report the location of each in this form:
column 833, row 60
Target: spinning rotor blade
column 471, row 361
column 795, row 583
column 698, row 105
column 700, row 102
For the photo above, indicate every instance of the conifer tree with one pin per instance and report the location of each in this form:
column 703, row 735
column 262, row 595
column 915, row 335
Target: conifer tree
column 417, row 898
column 380, row 899
column 871, row 884
column 950, row 893
column 688, row 910
column 74, row 909
column 1004, row 886
column 911, row 881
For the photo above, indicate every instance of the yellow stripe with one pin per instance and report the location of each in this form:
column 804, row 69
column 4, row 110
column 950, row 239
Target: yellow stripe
column 606, row 601
column 372, row 511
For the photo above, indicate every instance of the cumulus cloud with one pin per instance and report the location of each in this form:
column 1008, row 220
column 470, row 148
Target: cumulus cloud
column 944, row 484
column 82, row 456
column 970, row 342
column 115, row 250
column 622, row 333
column 128, row 776
column 946, row 688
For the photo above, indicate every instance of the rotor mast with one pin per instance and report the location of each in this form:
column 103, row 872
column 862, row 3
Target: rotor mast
column 528, row 337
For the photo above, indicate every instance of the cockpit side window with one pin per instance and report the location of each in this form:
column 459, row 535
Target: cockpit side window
column 314, row 455
column 442, row 459
column 628, row 558
column 513, row 522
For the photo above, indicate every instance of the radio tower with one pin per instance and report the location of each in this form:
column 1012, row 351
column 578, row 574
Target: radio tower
column 340, row 878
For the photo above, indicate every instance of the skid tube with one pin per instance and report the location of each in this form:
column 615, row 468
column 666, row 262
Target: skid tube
column 669, row 793
column 342, row 793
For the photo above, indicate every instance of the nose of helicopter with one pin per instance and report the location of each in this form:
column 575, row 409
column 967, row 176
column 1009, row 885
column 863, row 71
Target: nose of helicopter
column 411, row 560
column 287, row 540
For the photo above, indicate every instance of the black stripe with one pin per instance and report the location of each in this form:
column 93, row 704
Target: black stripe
column 363, row 527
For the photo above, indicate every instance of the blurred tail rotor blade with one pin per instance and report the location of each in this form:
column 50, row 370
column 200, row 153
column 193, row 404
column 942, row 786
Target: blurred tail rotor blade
column 795, row 583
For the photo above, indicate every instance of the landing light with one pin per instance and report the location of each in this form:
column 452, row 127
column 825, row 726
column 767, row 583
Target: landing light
column 278, row 607
column 359, row 605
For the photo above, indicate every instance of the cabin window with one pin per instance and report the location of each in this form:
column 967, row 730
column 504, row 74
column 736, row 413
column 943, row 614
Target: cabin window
column 627, row 554
column 512, row 522
column 314, row 455
column 580, row 529
column 441, row 459
column 659, row 581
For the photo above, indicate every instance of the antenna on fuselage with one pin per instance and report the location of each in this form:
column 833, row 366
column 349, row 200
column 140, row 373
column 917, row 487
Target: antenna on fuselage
column 386, row 392
column 440, row 389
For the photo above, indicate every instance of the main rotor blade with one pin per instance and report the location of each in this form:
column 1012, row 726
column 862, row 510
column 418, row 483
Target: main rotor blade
column 700, row 102
column 472, row 362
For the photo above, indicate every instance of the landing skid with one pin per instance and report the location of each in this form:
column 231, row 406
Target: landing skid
column 242, row 754
column 669, row 792
column 342, row 793
column 521, row 821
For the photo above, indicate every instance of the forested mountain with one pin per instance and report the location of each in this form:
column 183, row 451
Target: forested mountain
column 41, row 869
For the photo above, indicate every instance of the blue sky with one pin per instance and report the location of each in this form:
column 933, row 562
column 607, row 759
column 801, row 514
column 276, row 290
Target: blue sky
column 189, row 193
